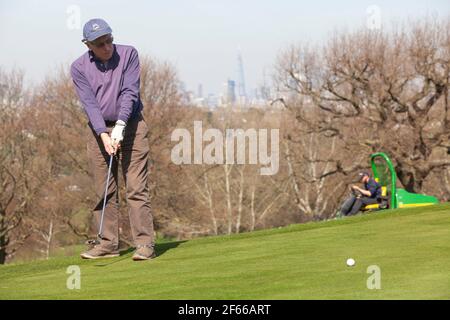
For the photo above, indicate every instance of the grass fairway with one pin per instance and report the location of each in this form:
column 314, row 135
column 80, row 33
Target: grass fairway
column 410, row 246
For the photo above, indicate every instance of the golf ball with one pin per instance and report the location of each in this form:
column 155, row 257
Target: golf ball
column 350, row 262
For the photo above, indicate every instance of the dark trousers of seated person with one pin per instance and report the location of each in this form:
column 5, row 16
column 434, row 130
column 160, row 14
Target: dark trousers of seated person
column 359, row 203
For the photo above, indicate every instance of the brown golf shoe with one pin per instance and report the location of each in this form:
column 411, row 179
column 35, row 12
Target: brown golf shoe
column 98, row 252
column 144, row 253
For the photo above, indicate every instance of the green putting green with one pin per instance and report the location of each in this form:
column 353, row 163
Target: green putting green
column 411, row 248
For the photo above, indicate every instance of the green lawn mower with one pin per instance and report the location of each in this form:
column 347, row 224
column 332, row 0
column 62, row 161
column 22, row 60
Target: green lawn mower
column 384, row 173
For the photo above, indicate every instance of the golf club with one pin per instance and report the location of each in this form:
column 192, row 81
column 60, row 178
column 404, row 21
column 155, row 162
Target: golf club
column 100, row 229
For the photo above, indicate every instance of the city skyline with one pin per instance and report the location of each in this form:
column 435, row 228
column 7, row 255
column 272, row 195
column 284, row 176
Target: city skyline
column 234, row 91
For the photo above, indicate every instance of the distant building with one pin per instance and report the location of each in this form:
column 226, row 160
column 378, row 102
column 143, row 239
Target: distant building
column 230, row 92
column 212, row 100
column 242, row 93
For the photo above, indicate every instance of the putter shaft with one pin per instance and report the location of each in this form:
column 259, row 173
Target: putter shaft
column 104, row 198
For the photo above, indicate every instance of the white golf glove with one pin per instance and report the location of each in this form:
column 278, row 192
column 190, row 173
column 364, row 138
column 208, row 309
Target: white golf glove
column 117, row 132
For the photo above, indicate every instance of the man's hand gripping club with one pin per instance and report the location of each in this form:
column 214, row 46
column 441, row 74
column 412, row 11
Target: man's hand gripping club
column 112, row 144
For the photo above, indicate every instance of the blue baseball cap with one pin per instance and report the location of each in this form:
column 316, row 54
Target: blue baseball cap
column 94, row 29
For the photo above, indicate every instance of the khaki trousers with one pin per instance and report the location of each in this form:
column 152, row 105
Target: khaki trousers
column 133, row 156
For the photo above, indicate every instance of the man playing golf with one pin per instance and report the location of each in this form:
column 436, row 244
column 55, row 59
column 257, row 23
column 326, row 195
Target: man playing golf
column 107, row 80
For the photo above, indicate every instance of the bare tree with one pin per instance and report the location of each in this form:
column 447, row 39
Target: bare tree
column 392, row 88
column 20, row 172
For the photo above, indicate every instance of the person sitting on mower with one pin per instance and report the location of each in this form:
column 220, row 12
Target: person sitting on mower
column 361, row 197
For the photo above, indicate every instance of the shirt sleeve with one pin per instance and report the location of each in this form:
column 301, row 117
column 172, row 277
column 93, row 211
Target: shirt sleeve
column 130, row 88
column 88, row 100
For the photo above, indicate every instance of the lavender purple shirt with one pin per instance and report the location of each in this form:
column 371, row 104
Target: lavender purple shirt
column 108, row 91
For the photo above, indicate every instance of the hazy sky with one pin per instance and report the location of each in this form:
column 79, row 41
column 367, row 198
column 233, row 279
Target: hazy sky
column 199, row 37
